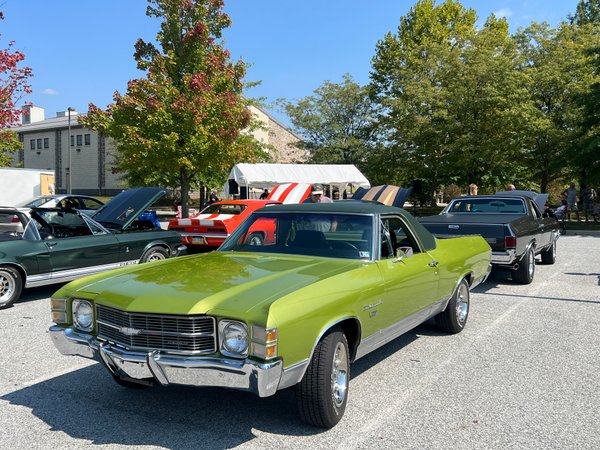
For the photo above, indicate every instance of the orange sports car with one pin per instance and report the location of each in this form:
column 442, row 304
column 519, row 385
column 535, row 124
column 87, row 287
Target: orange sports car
column 217, row 221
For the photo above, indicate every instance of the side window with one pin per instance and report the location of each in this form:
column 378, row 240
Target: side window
column 535, row 211
column 90, row 203
column 395, row 234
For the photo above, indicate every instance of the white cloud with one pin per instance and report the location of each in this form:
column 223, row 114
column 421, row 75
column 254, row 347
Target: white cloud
column 49, row 91
column 503, row 12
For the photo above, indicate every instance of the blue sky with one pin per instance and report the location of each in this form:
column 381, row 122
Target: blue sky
column 81, row 51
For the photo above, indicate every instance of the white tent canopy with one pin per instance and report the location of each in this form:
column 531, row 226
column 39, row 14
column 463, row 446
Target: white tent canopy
column 267, row 176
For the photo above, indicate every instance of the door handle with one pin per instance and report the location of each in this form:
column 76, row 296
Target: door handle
column 433, row 264
column 51, row 244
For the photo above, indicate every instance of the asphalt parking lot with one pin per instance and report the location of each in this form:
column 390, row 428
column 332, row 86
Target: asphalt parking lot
column 524, row 374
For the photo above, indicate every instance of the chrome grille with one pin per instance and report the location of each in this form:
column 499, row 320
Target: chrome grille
column 148, row 332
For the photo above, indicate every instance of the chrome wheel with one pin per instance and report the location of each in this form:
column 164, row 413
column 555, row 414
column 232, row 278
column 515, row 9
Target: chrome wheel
column 8, row 285
column 531, row 264
column 156, row 256
column 11, row 285
column 339, row 375
column 462, row 303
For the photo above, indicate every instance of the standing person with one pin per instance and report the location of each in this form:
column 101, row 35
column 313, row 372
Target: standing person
column 212, row 198
column 571, row 196
column 316, row 195
column 473, row 189
column 264, row 195
column 587, row 197
column 510, row 187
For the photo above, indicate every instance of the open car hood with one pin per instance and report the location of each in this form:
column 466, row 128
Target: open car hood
column 386, row 194
column 539, row 199
column 122, row 210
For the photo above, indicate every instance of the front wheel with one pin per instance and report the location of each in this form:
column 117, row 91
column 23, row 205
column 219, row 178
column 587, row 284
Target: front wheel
column 454, row 318
column 323, row 392
column 11, row 285
column 154, row 254
column 526, row 270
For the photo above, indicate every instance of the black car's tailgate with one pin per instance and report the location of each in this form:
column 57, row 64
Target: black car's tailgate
column 493, row 233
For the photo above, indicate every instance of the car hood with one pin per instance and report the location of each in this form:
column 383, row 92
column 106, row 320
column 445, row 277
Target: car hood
column 208, row 283
column 123, row 209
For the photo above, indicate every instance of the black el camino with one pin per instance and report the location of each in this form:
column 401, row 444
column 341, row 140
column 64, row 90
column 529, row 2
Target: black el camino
column 512, row 222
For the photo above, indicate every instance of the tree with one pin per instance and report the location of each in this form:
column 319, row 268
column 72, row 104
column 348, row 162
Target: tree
column 557, row 67
column 186, row 121
column 587, row 11
column 451, row 99
column 336, row 123
column 13, row 86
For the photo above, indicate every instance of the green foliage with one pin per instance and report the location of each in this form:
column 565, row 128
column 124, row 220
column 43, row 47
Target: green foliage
column 587, row 11
column 336, row 123
column 453, row 102
column 13, row 87
column 182, row 124
column 558, row 70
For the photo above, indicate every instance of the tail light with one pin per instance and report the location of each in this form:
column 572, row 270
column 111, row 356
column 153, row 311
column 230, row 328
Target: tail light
column 510, row 242
column 15, row 219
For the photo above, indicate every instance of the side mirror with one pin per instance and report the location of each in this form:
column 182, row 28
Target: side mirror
column 403, row 252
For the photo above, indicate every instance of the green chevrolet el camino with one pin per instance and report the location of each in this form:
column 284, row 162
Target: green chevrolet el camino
column 323, row 286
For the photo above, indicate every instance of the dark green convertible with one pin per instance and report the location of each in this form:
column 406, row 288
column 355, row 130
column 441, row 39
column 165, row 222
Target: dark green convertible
column 58, row 245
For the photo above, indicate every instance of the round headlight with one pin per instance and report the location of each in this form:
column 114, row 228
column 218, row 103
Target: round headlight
column 235, row 338
column 83, row 315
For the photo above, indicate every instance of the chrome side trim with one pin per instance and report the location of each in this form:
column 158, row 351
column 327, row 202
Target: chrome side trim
column 72, row 274
column 390, row 333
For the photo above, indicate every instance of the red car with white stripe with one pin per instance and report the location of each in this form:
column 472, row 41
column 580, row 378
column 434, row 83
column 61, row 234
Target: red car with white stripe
column 217, row 221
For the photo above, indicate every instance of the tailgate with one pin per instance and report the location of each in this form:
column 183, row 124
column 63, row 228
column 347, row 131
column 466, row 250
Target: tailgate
column 492, row 233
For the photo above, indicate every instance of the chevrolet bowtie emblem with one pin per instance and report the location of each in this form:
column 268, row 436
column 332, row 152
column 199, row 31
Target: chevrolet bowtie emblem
column 130, row 331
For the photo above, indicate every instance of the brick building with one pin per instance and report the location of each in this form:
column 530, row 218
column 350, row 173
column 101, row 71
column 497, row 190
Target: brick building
column 60, row 143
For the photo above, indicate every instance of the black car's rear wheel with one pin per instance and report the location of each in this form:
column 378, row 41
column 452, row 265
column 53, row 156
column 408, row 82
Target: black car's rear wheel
column 323, row 392
column 11, row 285
column 526, row 270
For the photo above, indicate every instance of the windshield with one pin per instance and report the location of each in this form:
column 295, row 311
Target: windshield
column 487, row 205
column 35, row 202
column 316, row 234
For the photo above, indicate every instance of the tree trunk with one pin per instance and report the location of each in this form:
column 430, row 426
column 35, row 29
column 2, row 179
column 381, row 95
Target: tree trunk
column 185, row 194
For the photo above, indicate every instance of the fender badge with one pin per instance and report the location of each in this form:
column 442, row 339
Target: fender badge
column 454, row 227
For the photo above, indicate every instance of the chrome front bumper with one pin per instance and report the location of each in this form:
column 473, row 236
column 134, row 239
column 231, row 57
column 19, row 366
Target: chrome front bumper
column 261, row 379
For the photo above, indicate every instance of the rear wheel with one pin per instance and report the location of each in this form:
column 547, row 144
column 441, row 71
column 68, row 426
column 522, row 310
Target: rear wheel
column 454, row 318
column 323, row 392
column 526, row 270
column 549, row 255
column 154, row 254
column 11, row 285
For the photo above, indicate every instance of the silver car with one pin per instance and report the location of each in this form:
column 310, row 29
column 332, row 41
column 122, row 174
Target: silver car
column 83, row 203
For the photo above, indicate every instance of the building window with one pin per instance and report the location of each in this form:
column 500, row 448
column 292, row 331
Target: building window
column 39, row 144
column 72, row 141
column 88, row 139
column 32, row 144
column 79, row 140
column 46, row 142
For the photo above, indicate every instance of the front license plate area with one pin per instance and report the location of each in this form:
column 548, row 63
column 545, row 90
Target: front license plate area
column 198, row 240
